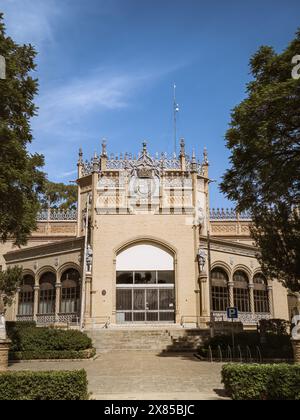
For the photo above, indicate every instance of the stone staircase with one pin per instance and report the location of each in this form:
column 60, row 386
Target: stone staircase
column 158, row 340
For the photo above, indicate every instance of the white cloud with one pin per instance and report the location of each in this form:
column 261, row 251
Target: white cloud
column 60, row 107
column 30, row 21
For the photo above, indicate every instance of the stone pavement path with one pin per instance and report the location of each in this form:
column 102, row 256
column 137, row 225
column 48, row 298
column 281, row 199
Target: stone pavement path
column 144, row 375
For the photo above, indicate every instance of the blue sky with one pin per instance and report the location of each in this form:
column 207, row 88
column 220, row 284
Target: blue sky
column 107, row 67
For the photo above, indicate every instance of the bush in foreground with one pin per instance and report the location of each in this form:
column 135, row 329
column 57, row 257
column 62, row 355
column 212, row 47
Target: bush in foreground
column 48, row 339
column 262, row 382
column 274, row 346
column 43, row 386
column 30, row 342
column 52, row 355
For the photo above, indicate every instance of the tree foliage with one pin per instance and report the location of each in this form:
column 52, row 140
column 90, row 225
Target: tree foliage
column 21, row 179
column 59, row 196
column 9, row 282
column 264, row 177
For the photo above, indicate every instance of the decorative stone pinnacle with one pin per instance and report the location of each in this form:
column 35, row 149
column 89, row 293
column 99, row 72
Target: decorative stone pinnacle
column 104, row 148
column 194, row 165
column 95, row 163
column 205, row 155
column 144, row 148
column 182, row 148
column 80, row 156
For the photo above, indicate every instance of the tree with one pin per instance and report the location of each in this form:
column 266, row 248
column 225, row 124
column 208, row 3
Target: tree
column 9, row 282
column 59, row 196
column 264, row 177
column 21, row 180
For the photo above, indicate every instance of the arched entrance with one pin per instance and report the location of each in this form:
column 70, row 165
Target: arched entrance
column 145, row 284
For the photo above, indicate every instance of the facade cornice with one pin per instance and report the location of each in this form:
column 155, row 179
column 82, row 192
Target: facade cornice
column 230, row 247
column 54, row 248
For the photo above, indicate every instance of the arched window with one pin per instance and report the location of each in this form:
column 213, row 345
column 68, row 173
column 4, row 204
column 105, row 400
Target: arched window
column 220, row 291
column 261, row 298
column 26, row 296
column 70, row 292
column 241, row 291
column 47, row 294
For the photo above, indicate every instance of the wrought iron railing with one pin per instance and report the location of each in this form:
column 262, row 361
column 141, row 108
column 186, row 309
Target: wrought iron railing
column 57, row 215
column 229, row 214
column 244, row 317
column 25, row 318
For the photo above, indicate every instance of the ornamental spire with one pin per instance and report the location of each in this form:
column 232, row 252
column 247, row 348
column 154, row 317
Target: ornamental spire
column 205, row 157
column 80, row 156
column 104, row 148
column 182, row 148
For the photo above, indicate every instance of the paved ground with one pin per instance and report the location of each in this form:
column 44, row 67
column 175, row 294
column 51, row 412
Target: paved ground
column 144, row 375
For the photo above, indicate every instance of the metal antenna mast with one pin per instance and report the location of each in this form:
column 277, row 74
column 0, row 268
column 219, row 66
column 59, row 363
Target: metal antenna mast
column 176, row 110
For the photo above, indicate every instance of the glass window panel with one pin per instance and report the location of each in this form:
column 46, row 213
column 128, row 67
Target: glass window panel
column 167, row 316
column 26, row 296
column 166, row 277
column 220, row 296
column 152, row 300
column 166, row 299
column 261, row 301
column 139, row 316
column 152, row 316
column 47, row 302
column 124, row 277
column 139, row 300
column 240, row 279
column 219, row 277
column 242, row 299
column 124, row 300
column 145, row 277
column 128, row 316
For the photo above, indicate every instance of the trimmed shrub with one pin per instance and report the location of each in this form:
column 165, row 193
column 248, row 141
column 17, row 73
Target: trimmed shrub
column 52, row 355
column 47, row 339
column 274, row 326
column 273, row 347
column 15, row 325
column 43, row 386
column 262, row 382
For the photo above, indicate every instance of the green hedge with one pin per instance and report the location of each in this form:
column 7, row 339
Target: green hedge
column 47, row 339
column 274, row 346
column 262, row 382
column 11, row 326
column 43, row 386
column 52, row 355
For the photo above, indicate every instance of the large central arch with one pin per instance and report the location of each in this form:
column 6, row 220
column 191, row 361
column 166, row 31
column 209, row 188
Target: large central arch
column 145, row 282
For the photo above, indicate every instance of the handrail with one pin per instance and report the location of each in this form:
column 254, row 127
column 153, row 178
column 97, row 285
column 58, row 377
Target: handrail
column 97, row 318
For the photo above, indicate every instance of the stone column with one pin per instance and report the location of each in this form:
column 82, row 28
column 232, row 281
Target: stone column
column 251, row 295
column 88, row 284
column 231, row 293
column 36, row 302
column 4, row 349
column 4, row 345
column 270, row 297
column 17, row 302
column 203, row 281
column 296, row 348
column 57, row 301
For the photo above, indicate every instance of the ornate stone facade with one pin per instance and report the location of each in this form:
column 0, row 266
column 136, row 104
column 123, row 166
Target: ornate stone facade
column 130, row 255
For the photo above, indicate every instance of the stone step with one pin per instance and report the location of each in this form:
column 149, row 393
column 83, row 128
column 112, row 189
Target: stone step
column 142, row 340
